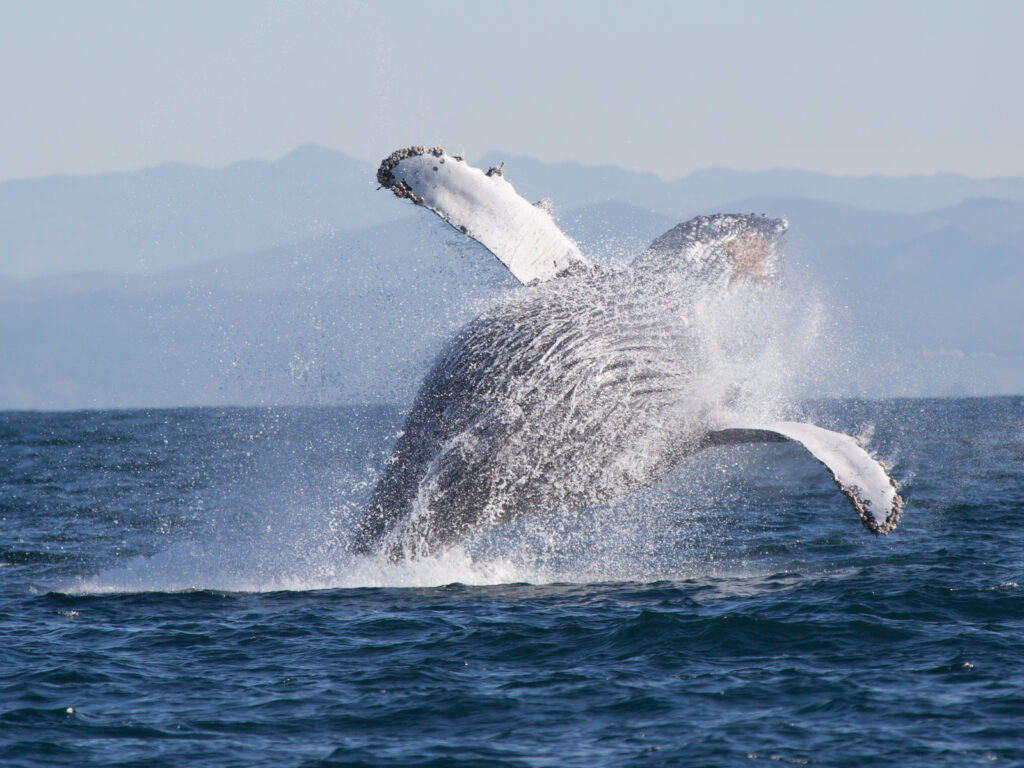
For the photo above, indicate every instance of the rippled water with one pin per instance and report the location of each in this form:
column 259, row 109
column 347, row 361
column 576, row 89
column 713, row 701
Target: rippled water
column 175, row 590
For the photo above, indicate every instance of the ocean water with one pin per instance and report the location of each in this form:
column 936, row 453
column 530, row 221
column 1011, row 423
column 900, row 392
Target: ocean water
column 175, row 591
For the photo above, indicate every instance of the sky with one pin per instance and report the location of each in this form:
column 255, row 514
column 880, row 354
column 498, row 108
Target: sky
column 848, row 88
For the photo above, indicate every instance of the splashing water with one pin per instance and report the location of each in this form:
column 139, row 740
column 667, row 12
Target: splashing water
column 664, row 374
column 567, row 401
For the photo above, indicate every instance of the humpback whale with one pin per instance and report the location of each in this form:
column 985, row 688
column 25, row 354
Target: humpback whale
column 589, row 382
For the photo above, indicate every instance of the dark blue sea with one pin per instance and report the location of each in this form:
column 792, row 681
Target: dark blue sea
column 175, row 591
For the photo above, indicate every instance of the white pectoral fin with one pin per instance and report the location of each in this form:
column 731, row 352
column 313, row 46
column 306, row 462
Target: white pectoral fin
column 861, row 478
column 484, row 207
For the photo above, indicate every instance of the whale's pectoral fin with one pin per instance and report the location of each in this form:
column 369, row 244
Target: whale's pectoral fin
column 485, row 207
column 861, row 478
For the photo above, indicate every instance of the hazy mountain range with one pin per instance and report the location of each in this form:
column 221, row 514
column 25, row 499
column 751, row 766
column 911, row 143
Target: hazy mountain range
column 297, row 282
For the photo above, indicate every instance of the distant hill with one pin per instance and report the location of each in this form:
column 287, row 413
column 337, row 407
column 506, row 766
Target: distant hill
column 172, row 215
column 921, row 304
column 570, row 185
column 297, row 282
column 938, row 295
column 342, row 318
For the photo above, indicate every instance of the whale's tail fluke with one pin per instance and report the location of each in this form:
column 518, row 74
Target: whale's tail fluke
column 485, row 207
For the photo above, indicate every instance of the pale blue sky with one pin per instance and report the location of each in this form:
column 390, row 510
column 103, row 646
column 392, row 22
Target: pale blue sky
column 847, row 88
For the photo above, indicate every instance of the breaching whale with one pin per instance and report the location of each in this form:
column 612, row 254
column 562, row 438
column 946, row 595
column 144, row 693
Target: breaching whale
column 588, row 383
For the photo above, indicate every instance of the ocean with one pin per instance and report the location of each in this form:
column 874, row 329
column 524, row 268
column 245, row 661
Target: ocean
column 175, row 590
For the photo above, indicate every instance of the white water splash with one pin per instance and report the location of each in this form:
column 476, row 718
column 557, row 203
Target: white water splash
column 739, row 353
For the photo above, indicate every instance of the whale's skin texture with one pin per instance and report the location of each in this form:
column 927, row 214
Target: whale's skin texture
column 569, row 393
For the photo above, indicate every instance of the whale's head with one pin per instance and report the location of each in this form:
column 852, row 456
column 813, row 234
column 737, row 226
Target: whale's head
column 725, row 250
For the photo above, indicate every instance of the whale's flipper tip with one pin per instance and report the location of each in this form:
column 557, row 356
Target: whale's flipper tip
column 882, row 524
